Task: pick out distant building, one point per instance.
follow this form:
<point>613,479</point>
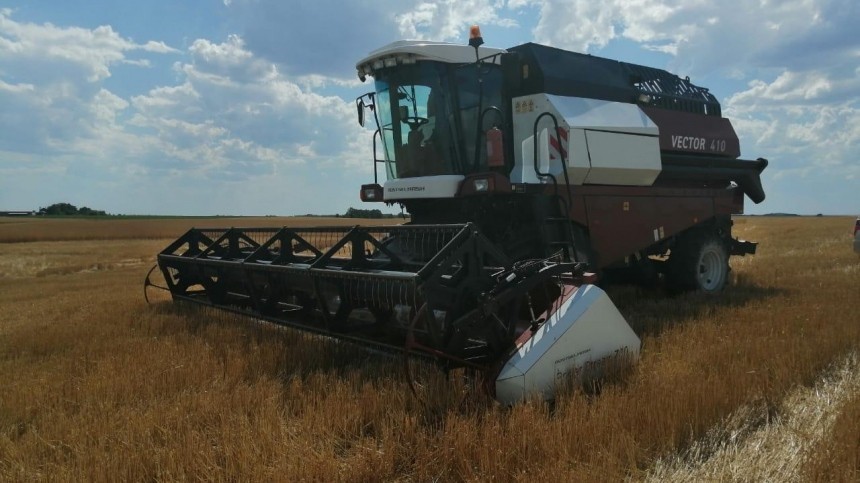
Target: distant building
<point>17,213</point>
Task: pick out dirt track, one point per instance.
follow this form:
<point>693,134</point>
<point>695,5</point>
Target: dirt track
<point>762,444</point>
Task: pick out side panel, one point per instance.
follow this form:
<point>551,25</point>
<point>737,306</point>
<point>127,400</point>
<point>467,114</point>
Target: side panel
<point>444,186</point>
<point>578,161</point>
<point>622,159</point>
<point>586,329</point>
<point>609,143</point>
<point>624,220</point>
<point>695,133</point>
<point>603,115</point>
<point>622,225</point>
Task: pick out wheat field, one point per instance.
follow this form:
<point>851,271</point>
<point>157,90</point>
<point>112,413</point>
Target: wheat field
<point>762,382</point>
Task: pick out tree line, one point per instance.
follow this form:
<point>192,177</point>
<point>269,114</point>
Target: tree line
<point>358,213</point>
<point>69,209</point>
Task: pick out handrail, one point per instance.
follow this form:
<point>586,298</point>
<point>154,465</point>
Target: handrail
<point>562,154</point>
<point>565,201</point>
<point>375,159</point>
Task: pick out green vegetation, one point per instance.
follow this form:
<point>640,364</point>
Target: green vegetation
<point>371,214</point>
<point>68,209</point>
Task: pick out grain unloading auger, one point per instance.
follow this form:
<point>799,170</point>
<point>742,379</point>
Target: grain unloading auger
<point>442,292</point>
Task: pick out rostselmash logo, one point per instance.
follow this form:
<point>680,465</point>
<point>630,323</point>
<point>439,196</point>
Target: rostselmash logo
<point>401,189</point>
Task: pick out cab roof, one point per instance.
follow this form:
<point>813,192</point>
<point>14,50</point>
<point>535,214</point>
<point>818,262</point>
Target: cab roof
<point>408,51</point>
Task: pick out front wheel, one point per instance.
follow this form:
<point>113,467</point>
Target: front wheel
<point>699,262</point>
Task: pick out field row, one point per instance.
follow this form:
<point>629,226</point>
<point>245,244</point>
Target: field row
<point>38,229</point>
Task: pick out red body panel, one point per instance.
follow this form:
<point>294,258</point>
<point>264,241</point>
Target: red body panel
<point>624,220</point>
<point>685,132</point>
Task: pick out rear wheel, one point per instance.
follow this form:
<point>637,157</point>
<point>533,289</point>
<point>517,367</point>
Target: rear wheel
<point>699,262</point>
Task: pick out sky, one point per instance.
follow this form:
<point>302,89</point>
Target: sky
<point>247,107</point>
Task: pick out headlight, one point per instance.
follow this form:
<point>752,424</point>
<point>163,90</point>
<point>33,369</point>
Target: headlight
<point>371,192</point>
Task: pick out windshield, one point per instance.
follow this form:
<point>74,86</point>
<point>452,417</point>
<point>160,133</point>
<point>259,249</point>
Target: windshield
<point>427,114</point>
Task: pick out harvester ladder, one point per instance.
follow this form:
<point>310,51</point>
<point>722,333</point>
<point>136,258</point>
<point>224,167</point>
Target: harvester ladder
<point>555,224</point>
<point>559,237</point>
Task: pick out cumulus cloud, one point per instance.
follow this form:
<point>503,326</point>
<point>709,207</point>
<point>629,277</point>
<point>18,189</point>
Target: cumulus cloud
<point>232,115</point>
<point>237,109</point>
<point>709,36</point>
<point>38,50</point>
<point>16,88</point>
<point>450,19</point>
<point>327,37</point>
<point>322,37</point>
<point>808,121</point>
<point>794,88</point>
<point>52,77</point>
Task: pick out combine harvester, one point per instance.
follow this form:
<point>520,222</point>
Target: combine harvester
<point>525,171</point>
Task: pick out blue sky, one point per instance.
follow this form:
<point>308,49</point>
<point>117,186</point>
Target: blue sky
<point>246,106</point>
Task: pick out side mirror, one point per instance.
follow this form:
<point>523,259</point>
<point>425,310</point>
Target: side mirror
<point>360,106</point>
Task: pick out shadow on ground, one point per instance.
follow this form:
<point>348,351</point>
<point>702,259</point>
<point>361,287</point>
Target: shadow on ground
<point>650,311</point>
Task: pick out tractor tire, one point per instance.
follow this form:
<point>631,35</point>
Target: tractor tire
<point>699,262</point>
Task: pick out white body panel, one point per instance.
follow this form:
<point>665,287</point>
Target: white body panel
<point>578,163</point>
<point>595,114</point>
<point>606,142</point>
<point>443,186</point>
<point>415,50</point>
<point>612,155</point>
<point>586,329</point>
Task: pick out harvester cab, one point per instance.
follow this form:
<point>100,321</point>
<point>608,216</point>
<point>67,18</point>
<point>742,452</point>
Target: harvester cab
<point>524,171</point>
<point>550,152</point>
<point>427,102</point>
